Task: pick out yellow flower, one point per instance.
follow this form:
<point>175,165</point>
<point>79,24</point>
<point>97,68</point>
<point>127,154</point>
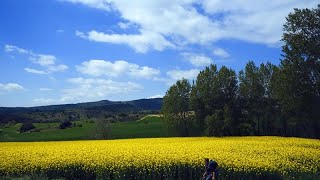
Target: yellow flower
<point>240,154</point>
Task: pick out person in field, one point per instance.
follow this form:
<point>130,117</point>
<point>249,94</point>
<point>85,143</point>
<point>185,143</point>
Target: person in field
<point>211,172</point>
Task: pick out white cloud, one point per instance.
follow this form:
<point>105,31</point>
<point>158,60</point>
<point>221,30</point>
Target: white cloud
<point>197,59</point>
<point>44,101</point>
<point>34,71</point>
<point>123,25</point>
<point>139,42</point>
<point>57,68</point>
<point>143,72</point>
<point>89,89</point>
<point>45,89</point>
<point>99,4</point>
<point>174,75</point>
<point>155,96</point>
<point>11,48</point>
<point>254,21</point>
<point>171,23</point>
<point>80,34</point>
<point>9,87</point>
<point>221,53</point>
<point>101,67</point>
<point>59,30</point>
<point>187,74</point>
<point>46,61</point>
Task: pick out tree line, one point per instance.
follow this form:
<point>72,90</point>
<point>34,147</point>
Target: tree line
<point>263,99</point>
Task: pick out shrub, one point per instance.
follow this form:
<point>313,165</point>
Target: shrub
<point>103,130</point>
<point>35,130</point>
<point>26,127</point>
<point>65,124</point>
<point>11,123</point>
<point>123,115</point>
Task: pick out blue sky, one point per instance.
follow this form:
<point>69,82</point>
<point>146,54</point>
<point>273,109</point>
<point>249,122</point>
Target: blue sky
<point>70,51</point>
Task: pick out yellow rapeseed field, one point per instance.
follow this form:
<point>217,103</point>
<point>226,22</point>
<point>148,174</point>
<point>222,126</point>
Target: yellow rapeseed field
<point>278,155</point>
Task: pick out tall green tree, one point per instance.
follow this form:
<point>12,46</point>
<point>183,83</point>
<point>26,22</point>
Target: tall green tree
<point>175,108</point>
<point>203,100</point>
<point>299,77</point>
<point>251,92</point>
<point>227,99</point>
<point>270,122</point>
<point>214,91</point>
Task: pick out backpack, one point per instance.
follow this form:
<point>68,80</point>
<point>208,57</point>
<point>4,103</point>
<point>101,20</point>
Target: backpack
<point>212,167</point>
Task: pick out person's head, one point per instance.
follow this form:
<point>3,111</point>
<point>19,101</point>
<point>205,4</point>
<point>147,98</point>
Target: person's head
<point>212,166</point>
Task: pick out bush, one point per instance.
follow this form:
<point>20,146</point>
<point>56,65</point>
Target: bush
<point>123,115</point>
<point>35,130</point>
<point>11,123</point>
<point>91,121</point>
<point>103,130</point>
<point>65,124</point>
<point>26,127</point>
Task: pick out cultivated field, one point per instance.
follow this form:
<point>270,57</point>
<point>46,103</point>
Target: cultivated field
<point>149,126</point>
<point>164,158</point>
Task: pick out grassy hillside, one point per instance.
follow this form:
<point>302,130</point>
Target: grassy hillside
<point>150,126</point>
<point>59,113</point>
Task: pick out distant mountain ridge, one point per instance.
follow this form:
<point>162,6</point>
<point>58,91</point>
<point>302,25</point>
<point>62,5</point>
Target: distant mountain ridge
<point>21,114</point>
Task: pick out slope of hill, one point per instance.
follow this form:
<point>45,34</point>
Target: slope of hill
<point>56,113</point>
<point>148,126</point>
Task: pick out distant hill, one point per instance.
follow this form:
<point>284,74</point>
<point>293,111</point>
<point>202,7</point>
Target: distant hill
<point>55,113</point>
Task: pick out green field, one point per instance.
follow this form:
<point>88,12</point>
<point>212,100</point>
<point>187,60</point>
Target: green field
<point>150,126</point>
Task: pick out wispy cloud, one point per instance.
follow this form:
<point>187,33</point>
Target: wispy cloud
<point>197,59</point>
<point>139,42</point>
<point>45,89</point>
<point>34,71</point>
<point>98,4</point>
<point>10,87</point>
<point>219,52</point>
<point>11,48</point>
<point>174,75</point>
<point>115,69</point>
<point>187,74</point>
<point>46,61</point>
<point>90,89</point>
<point>172,24</point>
<point>155,96</point>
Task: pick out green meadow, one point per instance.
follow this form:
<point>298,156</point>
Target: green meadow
<point>150,126</point>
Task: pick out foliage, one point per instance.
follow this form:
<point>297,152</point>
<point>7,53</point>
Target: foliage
<point>261,100</point>
<point>298,86</point>
<point>167,158</point>
<point>65,124</point>
<point>175,109</point>
<point>104,129</point>
<point>26,127</point>
<point>86,130</point>
<point>80,111</point>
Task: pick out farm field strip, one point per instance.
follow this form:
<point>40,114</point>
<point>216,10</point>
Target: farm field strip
<point>273,155</point>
